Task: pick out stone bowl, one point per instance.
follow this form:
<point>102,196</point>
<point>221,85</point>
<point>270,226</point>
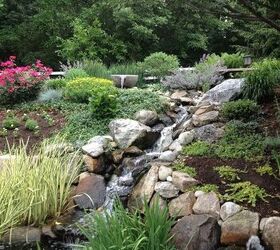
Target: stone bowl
<point>125,81</point>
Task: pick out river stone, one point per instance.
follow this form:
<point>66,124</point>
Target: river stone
<point>271,232</point>
<point>94,165</point>
<point>182,205</point>
<point>166,189</point>
<point>22,235</point>
<point>186,138</point>
<point>176,146</point>
<point>168,156</point>
<point>198,193</point>
<point>144,190</point>
<point>205,118</point>
<point>196,232</point>
<point>165,140</point>
<point>238,228</point>
<point>164,172</point>
<point>224,92</point>
<point>209,133</point>
<point>157,199</point>
<point>90,192</point>
<point>183,181</point>
<point>97,145</point>
<point>127,132</point>
<point>178,94</point>
<point>228,209</point>
<point>147,117</point>
<point>203,109</point>
<point>207,203</point>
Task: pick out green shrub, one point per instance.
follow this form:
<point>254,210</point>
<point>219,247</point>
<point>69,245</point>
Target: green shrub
<point>159,64</point>
<point>245,192</point>
<point>130,231</point>
<point>58,83</point>
<point>103,102</point>
<point>260,83</point>
<point>233,60</point>
<point>125,69</point>
<point>35,189</point>
<point>81,89</point>
<point>74,73</point>
<point>199,148</point>
<point>11,121</point>
<point>185,169</point>
<point>240,110</point>
<point>31,125</point>
<point>96,69</point>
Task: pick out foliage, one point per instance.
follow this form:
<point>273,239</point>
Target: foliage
<point>34,189</point>
<point>95,69</point>
<point>277,159</point>
<point>207,188</point>
<point>199,148</point>
<point>10,121</point>
<point>31,125</point>
<point>272,143</point>
<point>81,89</point>
<point>18,84</point>
<point>265,169</point>
<point>125,69</point>
<point>185,169</point>
<point>50,95</point>
<point>74,73</point>
<point>245,192</point>
<point>260,82</point>
<point>228,173</point>
<point>233,60</point>
<point>124,230</point>
<point>240,110</point>
<point>103,101</point>
<point>159,64</point>
<point>58,83</point>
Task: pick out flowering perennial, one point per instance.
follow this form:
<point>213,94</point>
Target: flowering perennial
<point>20,83</point>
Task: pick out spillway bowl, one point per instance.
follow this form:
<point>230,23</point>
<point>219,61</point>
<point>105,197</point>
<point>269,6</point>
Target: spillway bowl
<point>125,81</point>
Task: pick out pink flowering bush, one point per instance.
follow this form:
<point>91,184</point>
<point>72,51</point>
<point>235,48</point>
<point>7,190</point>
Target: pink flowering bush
<point>18,84</point>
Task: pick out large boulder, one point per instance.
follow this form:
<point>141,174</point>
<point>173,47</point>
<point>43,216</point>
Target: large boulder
<point>238,228</point>
<point>147,117</point>
<point>207,203</point>
<point>144,189</point>
<point>224,92</point>
<point>90,192</point>
<point>196,232</point>
<point>127,132</point>
<point>182,205</point>
<point>271,232</point>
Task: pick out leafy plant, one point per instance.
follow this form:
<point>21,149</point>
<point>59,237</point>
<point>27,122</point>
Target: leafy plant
<point>50,95</point>
<point>240,110</point>
<point>245,192</point>
<point>185,169</point>
<point>95,69</point>
<point>31,125</point>
<point>58,83</point>
<point>124,230</point>
<point>265,169</point>
<point>126,69</point>
<point>260,82</point>
<point>199,148</point>
<point>74,73</point>
<point>3,132</point>
<point>228,173</point>
<point>11,121</point>
<point>34,189</point>
<point>233,60</point>
<point>207,188</point>
<point>272,143</point>
<point>81,89</point>
<point>159,64</point>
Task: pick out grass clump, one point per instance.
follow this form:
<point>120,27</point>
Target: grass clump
<point>31,125</point>
<point>245,192</point>
<point>35,187</point>
<point>185,169</point>
<point>199,148</point>
<point>129,231</point>
<point>75,73</point>
<point>228,173</point>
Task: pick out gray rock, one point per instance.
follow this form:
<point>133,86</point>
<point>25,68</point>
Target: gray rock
<point>238,228</point>
<point>168,156</point>
<point>127,132</point>
<point>178,94</point>
<point>94,165</point>
<point>203,109</point>
<point>147,117</point>
<point>271,232</point>
<point>158,200</point>
<point>90,192</point>
<point>182,205</point>
<point>229,209</point>
<point>224,92</point>
<point>22,235</point>
<point>164,172</point>
<point>165,140</point>
<point>166,189</point>
<point>198,193</point>
<point>196,232</point>
<point>186,138</point>
<point>205,118</point>
<point>207,203</point>
<point>183,181</point>
<point>176,146</point>
<point>97,145</point>
<point>209,133</point>
<point>144,190</point>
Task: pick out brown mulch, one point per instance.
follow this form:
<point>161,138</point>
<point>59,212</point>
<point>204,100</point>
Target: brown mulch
<point>207,175</point>
<point>46,130</point>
